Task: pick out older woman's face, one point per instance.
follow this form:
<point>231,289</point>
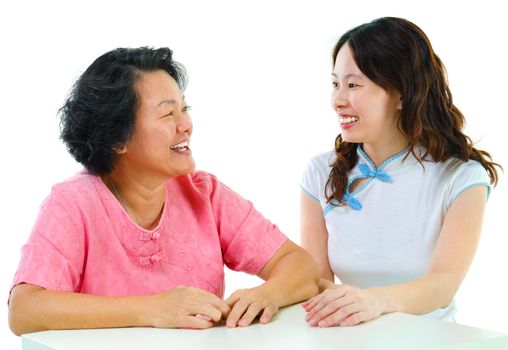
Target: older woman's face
<point>160,143</point>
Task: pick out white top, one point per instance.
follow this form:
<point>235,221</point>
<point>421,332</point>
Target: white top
<point>288,330</point>
<point>387,231</point>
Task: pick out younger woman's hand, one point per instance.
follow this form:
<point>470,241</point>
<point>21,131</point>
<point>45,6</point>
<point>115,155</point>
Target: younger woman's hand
<point>343,305</point>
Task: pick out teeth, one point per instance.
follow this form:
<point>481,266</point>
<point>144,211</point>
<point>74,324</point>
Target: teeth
<point>180,145</point>
<point>346,120</point>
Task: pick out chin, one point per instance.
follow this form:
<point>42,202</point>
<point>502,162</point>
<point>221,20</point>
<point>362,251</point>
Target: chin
<point>348,138</point>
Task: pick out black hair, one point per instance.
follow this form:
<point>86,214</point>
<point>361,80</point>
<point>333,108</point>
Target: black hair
<point>99,114</point>
<point>397,55</point>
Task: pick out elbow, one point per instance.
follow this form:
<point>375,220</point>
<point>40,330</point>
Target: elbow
<point>15,324</point>
<point>314,277</point>
<point>446,299</point>
<point>446,286</point>
<point>21,313</point>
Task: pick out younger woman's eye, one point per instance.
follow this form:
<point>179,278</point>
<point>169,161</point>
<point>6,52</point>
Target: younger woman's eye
<point>335,84</point>
<point>352,85</point>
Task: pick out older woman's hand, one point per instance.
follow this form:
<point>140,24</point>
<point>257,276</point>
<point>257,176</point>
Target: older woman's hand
<point>246,304</point>
<point>343,305</point>
<point>185,307</point>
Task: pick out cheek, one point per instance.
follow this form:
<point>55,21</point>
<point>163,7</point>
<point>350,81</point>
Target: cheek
<point>333,98</point>
<point>361,104</point>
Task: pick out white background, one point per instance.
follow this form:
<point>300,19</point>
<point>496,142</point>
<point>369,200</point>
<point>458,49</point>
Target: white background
<point>259,85</point>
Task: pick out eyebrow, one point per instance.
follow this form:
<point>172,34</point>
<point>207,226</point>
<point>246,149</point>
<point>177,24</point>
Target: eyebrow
<point>169,101</point>
<point>163,102</point>
<point>347,76</point>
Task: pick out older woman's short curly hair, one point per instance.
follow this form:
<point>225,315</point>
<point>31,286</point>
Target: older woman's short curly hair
<point>99,115</point>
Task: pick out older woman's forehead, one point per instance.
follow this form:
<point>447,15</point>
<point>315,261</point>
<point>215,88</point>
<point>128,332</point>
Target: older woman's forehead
<point>158,88</point>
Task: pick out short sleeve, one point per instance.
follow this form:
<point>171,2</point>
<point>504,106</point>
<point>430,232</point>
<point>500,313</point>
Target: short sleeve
<point>53,256</point>
<point>248,240</point>
<point>315,176</point>
<point>464,176</point>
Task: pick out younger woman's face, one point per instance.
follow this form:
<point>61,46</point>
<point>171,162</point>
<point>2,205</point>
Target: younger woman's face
<point>367,113</point>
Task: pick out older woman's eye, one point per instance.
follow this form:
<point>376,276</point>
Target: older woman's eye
<point>187,108</point>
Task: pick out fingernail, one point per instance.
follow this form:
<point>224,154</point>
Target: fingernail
<point>322,324</point>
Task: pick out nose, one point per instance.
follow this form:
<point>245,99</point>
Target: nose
<point>184,124</point>
<point>339,98</point>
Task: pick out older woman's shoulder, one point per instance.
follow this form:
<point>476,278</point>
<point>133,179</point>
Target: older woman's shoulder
<point>82,185</point>
<point>197,181</point>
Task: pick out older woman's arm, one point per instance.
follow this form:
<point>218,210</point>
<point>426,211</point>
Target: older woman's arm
<point>291,276</point>
<point>33,309</point>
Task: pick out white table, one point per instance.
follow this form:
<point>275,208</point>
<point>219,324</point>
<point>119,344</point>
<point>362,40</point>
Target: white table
<point>288,330</point>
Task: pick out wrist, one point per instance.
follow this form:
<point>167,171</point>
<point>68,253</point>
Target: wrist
<point>138,308</point>
<point>325,284</point>
<point>273,292</point>
<point>386,303</point>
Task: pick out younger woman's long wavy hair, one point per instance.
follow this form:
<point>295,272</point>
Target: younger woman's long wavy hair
<point>397,55</point>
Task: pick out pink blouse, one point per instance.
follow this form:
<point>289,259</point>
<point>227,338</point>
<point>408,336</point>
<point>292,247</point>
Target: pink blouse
<point>84,241</point>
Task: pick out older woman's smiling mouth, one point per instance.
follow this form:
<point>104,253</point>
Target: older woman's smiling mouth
<point>182,148</point>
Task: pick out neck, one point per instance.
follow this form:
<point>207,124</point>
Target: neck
<point>380,152</point>
<point>143,198</point>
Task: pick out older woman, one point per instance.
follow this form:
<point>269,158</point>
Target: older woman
<point>140,238</point>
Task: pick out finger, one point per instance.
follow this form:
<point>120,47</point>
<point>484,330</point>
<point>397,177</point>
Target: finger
<point>206,297</point>
<point>335,305</point>
<point>337,317</point>
<point>327,297</point>
<point>195,322</point>
<point>267,315</point>
<point>224,309</point>
<point>324,298</point>
<point>233,298</point>
<point>307,305</point>
<point>203,317</point>
<point>252,311</point>
<point>221,306</point>
<point>355,319</point>
<point>208,311</point>
<point>237,311</point>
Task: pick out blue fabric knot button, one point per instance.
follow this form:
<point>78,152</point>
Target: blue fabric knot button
<point>352,202</point>
<point>378,174</point>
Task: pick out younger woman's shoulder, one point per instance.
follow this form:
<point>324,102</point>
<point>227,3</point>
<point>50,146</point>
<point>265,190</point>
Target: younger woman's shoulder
<point>455,167</point>
<point>322,161</point>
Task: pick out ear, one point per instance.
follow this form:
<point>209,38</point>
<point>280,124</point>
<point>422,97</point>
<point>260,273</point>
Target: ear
<point>120,149</point>
<point>399,104</point>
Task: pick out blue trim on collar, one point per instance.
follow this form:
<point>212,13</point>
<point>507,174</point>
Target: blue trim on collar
<point>385,163</point>
<point>328,207</point>
<point>377,173</point>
